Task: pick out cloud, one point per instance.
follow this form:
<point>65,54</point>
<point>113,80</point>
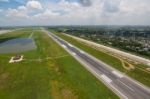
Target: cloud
<point>79,12</point>
<point>34,5</point>
<point>85,3</point>
<point>111,6</point>
<point>20,12</point>
<point>46,14</point>
<point>24,11</point>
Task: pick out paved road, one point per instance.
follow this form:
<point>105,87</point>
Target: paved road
<point>123,86</point>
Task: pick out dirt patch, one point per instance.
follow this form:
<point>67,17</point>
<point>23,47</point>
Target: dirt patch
<point>148,69</point>
<point>128,66</point>
<point>67,94</point>
<point>59,91</point>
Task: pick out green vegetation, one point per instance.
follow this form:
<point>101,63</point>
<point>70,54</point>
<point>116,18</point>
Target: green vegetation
<point>48,72</point>
<point>139,73</point>
<point>132,39</point>
<point>15,34</point>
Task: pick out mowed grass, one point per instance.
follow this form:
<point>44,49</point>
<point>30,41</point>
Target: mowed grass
<point>15,34</point>
<point>139,73</point>
<point>59,77</point>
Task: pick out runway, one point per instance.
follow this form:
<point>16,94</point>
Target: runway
<point>129,56</point>
<point>122,85</point>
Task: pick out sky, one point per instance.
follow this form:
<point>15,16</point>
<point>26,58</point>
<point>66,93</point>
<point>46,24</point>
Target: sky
<point>74,12</point>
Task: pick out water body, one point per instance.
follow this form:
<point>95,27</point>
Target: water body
<point>17,45</point>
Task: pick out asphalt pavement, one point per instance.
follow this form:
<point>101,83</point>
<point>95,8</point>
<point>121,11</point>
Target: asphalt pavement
<point>122,85</point>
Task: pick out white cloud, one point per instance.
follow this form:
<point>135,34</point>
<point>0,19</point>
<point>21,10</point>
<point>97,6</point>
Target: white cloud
<point>85,3</point>
<point>96,12</point>
<point>111,6</point>
<point>20,12</point>
<point>22,8</point>
<point>46,14</point>
<point>33,5</point>
<point>23,11</point>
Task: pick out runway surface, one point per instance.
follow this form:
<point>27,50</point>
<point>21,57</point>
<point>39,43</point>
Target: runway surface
<point>123,86</point>
<point>129,56</point>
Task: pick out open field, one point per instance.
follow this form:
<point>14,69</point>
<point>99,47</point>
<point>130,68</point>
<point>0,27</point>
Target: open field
<point>48,72</point>
<point>4,31</point>
<point>139,72</point>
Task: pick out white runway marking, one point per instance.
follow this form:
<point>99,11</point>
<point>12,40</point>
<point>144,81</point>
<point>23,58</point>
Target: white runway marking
<point>70,45</point>
<point>82,52</point>
<point>64,46</point>
<point>73,53</point>
<point>117,74</point>
<point>126,85</point>
<point>125,97</point>
<point>105,78</point>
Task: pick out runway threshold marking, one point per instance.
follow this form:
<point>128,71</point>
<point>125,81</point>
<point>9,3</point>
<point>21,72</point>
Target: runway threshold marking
<point>117,74</point>
<point>105,78</point>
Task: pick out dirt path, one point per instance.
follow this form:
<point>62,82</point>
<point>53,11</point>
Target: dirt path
<point>47,58</point>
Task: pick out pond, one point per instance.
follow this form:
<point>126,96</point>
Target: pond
<point>17,45</point>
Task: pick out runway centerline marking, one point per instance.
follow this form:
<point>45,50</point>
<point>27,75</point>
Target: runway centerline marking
<point>125,97</point>
<point>126,86</point>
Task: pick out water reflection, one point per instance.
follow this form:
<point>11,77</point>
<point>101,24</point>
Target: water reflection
<point>17,45</point>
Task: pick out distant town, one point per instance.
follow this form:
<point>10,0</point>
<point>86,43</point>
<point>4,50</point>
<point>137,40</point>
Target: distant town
<point>135,39</point>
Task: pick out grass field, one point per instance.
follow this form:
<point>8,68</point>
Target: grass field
<point>139,73</point>
<point>48,72</point>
